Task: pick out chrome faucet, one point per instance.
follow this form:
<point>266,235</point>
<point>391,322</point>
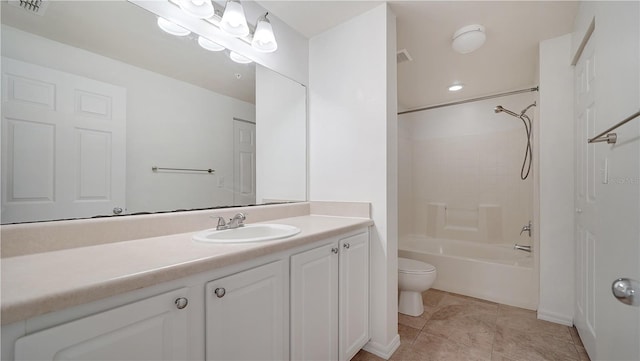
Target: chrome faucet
<point>526,228</point>
<point>522,248</point>
<point>235,222</point>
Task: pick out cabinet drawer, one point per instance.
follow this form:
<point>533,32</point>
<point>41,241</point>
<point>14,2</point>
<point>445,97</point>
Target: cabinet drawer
<point>150,329</point>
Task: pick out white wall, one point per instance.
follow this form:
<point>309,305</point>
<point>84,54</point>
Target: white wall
<point>556,162</point>
<point>353,144</point>
<point>281,138</point>
<point>170,123</point>
<point>468,159</point>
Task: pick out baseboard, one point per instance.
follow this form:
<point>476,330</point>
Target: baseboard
<point>384,351</point>
<point>555,317</point>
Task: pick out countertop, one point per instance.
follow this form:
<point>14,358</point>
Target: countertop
<point>40,283</point>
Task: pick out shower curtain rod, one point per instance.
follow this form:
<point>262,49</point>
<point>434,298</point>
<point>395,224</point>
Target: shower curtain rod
<point>470,100</point>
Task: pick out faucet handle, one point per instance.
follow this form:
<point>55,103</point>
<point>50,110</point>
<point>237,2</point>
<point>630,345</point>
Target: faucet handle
<point>221,222</point>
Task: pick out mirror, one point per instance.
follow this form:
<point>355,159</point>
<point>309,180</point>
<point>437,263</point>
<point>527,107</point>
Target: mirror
<point>103,113</point>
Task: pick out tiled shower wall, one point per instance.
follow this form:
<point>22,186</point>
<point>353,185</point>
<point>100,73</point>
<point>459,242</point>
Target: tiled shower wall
<point>459,170</point>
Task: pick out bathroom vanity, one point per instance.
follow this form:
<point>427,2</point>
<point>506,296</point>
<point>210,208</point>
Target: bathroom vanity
<point>170,297</point>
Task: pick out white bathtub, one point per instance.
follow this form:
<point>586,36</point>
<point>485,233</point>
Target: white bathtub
<point>496,273</point>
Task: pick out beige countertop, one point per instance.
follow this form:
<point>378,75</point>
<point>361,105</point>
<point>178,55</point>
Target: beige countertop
<point>39,283</point>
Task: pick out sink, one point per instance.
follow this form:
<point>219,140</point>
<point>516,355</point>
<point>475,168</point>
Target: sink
<point>248,233</point>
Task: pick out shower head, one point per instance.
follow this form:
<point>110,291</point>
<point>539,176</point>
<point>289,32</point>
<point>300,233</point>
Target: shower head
<point>499,109</point>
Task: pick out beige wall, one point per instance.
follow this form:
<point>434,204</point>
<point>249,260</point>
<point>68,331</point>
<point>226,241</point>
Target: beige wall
<point>462,164</point>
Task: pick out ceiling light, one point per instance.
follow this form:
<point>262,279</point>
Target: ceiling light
<point>172,28</point>
<point>233,20</point>
<point>241,59</point>
<point>468,38</point>
<point>201,9</point>
<point>209,45</point>
<point>456,87</point>
<point>263,38</point>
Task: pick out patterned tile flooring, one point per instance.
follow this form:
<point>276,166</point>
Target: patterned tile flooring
<point>455,327</point>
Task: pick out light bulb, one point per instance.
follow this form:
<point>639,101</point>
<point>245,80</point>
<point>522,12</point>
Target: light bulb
<point>201,9</point>
<point>209,45</point>
<point>233,20</point>
<point>172,28</point>
<point>263,38</point>
<point>241,59</point>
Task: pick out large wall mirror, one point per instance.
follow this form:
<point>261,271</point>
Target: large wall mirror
<point>104,113</point>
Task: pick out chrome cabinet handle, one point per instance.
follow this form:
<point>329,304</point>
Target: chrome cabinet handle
<point>346,245</point>
<point>181,303</point>
<point>220,292</point>
<point>334,250</point>
<point>117,210</point>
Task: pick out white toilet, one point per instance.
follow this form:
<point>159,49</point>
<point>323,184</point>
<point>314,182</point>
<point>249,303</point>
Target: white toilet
<point>414,277</point>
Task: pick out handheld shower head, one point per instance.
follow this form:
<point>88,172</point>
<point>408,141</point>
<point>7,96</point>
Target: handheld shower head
<point>499,109</point>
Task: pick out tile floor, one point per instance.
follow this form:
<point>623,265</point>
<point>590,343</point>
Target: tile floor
<point>455,327</point>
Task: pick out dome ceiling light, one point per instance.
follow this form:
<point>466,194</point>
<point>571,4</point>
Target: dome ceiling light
<point>468,38</point>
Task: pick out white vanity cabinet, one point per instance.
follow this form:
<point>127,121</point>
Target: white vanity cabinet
<point>330,299</point>
<point>247,314</point>
<point>154,328</point>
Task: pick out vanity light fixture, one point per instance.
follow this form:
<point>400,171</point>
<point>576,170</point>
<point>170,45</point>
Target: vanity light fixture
<point>209,45</point>
<point>201,9</point>
<point>240,59</point>
<point>456,87</point>
<point>172,28</point>
<point>468,38</point>
<point>233,20</point>
<point>263,38</point>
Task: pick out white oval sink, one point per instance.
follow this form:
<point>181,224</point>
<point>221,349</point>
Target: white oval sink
<point>248,233</point>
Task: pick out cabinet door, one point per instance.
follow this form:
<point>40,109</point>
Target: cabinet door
<point>246,315</point>
<point>314,304</point>
<point>354,294</point>
<point>151,329</point>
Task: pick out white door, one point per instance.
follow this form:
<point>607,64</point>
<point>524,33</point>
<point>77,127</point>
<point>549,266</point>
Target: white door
<point>314,304</point>
<point>244,162</point>
<point>354,294</point>
<point>607,195</point>
<point>63,144</point>
<point>246,315</point>
<point>151,329</point>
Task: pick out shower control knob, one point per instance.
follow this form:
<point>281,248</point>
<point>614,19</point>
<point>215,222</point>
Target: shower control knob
<point>220,292</point>
<point>181,303</point>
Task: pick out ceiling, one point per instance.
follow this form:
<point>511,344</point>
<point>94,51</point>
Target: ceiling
<point>507,61</point>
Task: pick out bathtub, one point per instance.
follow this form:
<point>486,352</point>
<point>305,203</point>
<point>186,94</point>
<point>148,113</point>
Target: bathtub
<point>495,273</point>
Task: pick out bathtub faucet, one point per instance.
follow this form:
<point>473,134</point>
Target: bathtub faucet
<point>526,228</point>
<point>522,248</point>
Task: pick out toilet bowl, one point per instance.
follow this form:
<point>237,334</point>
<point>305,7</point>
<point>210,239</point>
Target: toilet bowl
<point>414,277</point>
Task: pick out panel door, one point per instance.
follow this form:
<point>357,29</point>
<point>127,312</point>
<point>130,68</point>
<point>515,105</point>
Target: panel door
<point>585,197</point>
<point>607,191</point>
<point>244,162</point>
<point>314,304</point>
<point>151,329</point>
<point>354,294</point>
<point>246,315</point>
<point>63,144</point>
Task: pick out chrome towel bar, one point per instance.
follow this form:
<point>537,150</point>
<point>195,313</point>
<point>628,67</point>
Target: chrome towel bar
<point>612,138</point>
<point>155,169</point>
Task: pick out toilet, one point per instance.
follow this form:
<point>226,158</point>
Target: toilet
<point>414,277</point>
